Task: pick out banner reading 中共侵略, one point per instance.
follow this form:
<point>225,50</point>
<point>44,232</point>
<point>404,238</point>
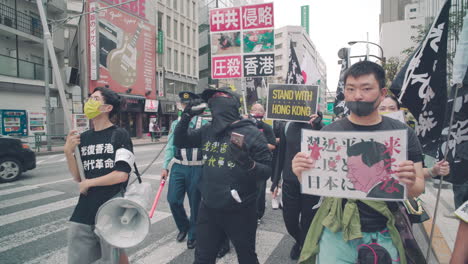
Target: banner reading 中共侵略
<point>356,165</point>
<point>295,102</point>
<point>242,41</point>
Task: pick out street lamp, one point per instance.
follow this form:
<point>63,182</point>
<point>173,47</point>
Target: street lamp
<point>368,42</point>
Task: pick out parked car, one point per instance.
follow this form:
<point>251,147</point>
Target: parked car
<point>15,158</point>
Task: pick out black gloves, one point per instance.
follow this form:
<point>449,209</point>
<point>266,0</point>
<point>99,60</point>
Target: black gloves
<point>318,120</point>
<point>189,108</point>
<point>241,156</point>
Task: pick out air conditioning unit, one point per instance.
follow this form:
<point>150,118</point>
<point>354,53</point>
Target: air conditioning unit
<point>72,75</point>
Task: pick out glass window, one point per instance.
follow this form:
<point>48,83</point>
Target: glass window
<point>175,29</point>
<point>279,35</point>
<point>182,62</point>
<point>168,56</point>
<point>188,8</point>
<point>194,36</point>
<point>181,32</point>
<point>176,60</point>
<point>189,71</point>
<point>160,19</point>
<point>160,60</point>
<point>181,6</point>
<point>175,4</point>
<point>279,46</point>
<point>193,10</point>
<point>168,26</point>
<point>195,67</point>
<point>188,35</point>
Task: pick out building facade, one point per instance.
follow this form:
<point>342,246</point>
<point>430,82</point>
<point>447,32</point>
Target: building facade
<point>22,86</point>
<point>312,64</point>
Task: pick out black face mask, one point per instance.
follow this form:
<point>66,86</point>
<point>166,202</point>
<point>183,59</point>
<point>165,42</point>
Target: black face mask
<point>224,111</point>
<point>361,108</point>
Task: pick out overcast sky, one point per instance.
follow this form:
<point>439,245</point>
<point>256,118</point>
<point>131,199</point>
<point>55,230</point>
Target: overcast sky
<point>332,24</point>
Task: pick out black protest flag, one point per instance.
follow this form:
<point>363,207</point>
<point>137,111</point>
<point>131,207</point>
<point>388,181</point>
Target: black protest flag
<point>339,107</point>
<point>421,84</point>
<point>251,84</point>
<point>294,75</point>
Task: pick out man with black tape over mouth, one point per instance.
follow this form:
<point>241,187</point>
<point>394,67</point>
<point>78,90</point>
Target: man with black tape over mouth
<point>230,173</point>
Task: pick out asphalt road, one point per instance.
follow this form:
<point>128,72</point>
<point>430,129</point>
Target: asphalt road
<point>34,213</point>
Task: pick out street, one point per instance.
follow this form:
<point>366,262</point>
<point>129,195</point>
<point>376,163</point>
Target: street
<point>34,214</point>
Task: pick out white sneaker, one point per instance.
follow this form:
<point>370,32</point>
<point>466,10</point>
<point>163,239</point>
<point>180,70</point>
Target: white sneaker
<point>275,204</point>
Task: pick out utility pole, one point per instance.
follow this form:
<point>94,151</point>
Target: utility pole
<point>46,86</point>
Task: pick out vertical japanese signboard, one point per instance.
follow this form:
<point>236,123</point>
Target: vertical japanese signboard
<point>242,41</point>
<point>126,57</point>
<point>305,18</point>
<point>93,42</point>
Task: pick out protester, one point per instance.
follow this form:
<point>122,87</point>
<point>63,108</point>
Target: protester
<point>257,112</point>
<point>106,174</point>
<point>298,210</point>
<point>185,166</point>
<point>236,157</point>
<point>341,225</point>
<point>442,168</point>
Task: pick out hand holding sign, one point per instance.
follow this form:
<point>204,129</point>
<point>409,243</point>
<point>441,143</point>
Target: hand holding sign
<point>301,162</point>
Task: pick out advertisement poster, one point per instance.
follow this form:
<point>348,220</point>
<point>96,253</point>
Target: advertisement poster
<point>355,165</point>
<point>37,123</point>
<point>126,52</point>
<point>14,122</point>
<point>294,102</point>
<point>242,41</point>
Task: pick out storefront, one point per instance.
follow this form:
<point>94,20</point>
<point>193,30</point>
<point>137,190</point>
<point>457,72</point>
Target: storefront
<point>168,113</point>
<point>131,114</point>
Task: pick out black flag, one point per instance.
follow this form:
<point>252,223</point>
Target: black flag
<point>294,75</point>
<point>421,84</point>
<point>339,107</point>
<point>251,84</point>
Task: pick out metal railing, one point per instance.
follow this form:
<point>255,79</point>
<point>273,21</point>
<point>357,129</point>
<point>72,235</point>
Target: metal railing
<point>20,21</point>
<point>14,67</point>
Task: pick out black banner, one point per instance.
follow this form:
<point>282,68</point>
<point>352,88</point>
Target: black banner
<point>421,85</point>
<point>259,65</point>
<point>339,107</point>
<point>292,102</point>
<point>294,75</point>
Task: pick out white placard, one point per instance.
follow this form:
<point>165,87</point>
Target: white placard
<point>356,165</point>
<point>398,115</point>
<point>462,212</point>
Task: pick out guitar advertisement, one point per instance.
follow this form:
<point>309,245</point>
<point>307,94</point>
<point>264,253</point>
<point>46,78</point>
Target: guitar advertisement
<point>126,52</point>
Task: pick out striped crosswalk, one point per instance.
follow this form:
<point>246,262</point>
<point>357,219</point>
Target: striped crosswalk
<point>34,216</point>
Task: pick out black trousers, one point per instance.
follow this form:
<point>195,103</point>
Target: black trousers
<point>261,186</point>
<point>239,225</point>
<point>297,210</point>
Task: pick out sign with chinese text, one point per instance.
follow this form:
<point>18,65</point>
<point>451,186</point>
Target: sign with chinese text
<point>93,42</point>
<point>355,165</point>
<point>293,102</point>
<point>305,18</point>
<point>37,122</point>
<point>236,31</point>
<point>127,57</point>
<point>151,105</point>
<point>160,42</point>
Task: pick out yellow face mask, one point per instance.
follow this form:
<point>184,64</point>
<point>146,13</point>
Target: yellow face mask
<point>91,108</point>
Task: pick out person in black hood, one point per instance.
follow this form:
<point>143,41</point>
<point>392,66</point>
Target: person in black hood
<point>230,173</point>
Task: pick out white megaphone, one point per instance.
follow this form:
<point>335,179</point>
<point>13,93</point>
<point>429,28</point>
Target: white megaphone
<point>124,222</point>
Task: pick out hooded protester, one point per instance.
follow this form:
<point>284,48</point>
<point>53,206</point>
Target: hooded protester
<point>230,173</point>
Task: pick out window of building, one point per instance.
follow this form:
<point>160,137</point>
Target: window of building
<point>182,32</point>
<point>279,46</point>
<point>160,60</point>
<point>188,8</point>
<point>182,62</point>
<point>168,26</point>
<point>160,20</point>
<point>175,4</point>
<point>279,35</point>
<point>278,57</point>
<point>189,69</point>
<point>181,6</point>
<point>168,3</point>
<point>188,35</point>
<point>175,29</point>
<point>193,10</point>
<point>195,67</point>
<point>279,68</point>
<point>412,10</point>
<point>294,44</point>
<point>168,56</point>
<point>194,36</point>
<point>176,61</point>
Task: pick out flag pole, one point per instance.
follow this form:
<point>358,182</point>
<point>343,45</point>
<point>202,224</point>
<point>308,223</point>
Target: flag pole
<point>428,254</point>
<point>243,95</point>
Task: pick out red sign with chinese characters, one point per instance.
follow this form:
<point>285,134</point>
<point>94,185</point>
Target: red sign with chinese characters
<point>126,53</point>
<point>225,19</point>
<point>258,16</point>
<point>226,67</point>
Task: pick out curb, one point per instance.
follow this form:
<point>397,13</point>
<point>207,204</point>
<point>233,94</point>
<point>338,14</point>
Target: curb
<point>45,153</point>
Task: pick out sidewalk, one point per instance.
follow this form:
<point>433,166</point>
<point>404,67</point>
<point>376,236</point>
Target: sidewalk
<point>136,142</point>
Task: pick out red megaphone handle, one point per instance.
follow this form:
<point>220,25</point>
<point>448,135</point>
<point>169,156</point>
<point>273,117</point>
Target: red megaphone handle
<point>156,199</point>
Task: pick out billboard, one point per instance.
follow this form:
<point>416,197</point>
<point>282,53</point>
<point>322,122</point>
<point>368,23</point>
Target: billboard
<point>126,57</point>
<point>236,31</point>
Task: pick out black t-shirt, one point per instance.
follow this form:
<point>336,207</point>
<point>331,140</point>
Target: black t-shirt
<point>267,132</point>
<point>97,151</point>
<point>372,221</point>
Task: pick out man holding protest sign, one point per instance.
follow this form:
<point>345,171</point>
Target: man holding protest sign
<point>344,230</point>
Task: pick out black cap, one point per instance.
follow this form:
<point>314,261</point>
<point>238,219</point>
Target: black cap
<point>186,97</point>
<point>208,93</point>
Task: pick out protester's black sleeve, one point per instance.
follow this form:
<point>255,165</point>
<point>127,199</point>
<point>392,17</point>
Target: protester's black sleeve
<point>185,137</point>
<point>262,157</point>
<point>269,134</point>
<point>279,162</point>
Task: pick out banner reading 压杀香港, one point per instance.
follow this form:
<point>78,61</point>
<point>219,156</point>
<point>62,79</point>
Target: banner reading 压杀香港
<point>242,41</point>
<point>354,164</point>
<point>294,102</point>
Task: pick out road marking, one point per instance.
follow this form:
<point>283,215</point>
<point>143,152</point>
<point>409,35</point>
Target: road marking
<point>8,184</point>
<point>40,210</point>
<point>28,198</point>
<point>32,234</point>
<point>162,251</point>
<point>52,182</point>
<point>151,176</point>
<point>18,189</point>
<point>265,244</point>
<point>60,256</point>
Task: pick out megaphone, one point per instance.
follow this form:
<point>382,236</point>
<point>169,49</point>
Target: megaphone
<point>124,222</point>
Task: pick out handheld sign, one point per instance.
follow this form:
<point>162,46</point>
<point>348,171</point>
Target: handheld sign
<point>356,165</point>
<point>293,102</point>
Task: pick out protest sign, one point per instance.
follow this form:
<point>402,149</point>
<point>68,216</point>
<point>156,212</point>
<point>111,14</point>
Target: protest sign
<point>356,165</point>
<point>462,212</point>
<point>295,102</point>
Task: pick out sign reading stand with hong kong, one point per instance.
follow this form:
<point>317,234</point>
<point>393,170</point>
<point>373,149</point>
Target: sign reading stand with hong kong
<point>242,41</point>
<point>355,165</point>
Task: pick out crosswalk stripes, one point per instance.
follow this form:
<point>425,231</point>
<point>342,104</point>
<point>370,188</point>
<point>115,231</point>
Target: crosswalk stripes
<point>28,198</point>
<point>17,189</point>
